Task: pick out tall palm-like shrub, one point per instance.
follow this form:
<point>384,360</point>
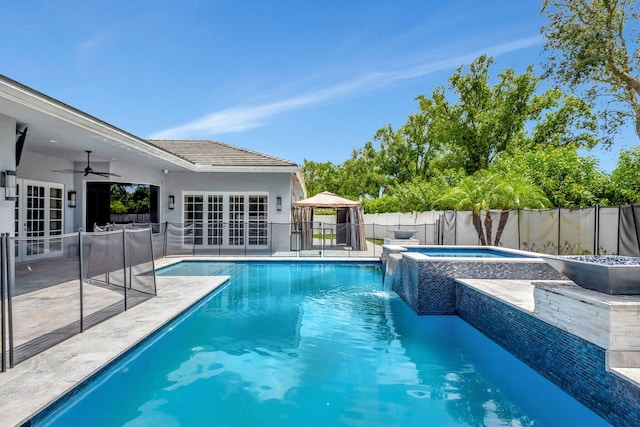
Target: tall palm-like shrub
<point>483,192</point>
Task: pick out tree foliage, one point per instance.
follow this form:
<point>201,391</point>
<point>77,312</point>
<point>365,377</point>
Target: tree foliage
<point>567,179</point>
<point>479,128</point>
<point>626,177</point>
<point>129,198</point>
<point>593,46</point>
<point>477,122</point>
<point>320,176</point>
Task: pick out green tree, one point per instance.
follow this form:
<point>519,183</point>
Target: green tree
<point>319,177</point>
<point>477,122</point>
<point>592,46</point>
<point>406,154</point>
<point>626,177</point>
<point>567,179</point>
<point>485,191</point>
<point>360,175</point>
<point>140,200</point>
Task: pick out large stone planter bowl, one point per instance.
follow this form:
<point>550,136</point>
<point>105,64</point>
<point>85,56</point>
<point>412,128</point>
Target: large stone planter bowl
<point>403,234</point>
<point>621,279</point>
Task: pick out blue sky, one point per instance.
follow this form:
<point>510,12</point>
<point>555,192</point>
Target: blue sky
<point>295,79</point>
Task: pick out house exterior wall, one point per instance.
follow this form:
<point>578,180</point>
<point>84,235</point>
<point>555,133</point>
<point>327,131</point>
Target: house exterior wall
<point>40,167</point>
<point>274,184</point>
<point>7,162</point>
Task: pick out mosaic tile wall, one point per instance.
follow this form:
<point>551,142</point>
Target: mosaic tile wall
<point>575,365</point>
<point>430,287</point>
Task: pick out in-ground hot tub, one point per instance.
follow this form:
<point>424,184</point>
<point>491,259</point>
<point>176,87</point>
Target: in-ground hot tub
<point>615,275</point>
<point>425,276</point>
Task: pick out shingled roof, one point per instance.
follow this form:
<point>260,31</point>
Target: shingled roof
<point>215,153</point>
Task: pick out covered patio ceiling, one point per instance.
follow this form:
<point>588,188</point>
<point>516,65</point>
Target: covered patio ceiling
<point>58,130</point>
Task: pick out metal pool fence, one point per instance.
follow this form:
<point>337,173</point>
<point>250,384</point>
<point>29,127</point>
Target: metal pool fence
<point>313,239</point>
<point>55,287</point>
<point>596,230</point>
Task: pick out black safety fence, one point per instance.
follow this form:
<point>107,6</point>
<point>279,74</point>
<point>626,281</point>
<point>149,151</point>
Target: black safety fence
<point>247,239</point>
<point>58,286</point>
<point>595,230</point>
<point>55,287</point>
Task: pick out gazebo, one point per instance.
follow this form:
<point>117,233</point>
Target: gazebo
<point>350,229</point>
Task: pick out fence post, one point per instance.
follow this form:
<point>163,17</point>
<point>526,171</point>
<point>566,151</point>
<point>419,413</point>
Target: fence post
<point>559,213</point>
<point>164,243</point>
<point>635,224</point>
<point>193,240</point>
<point>81,273</point>
<point>9,283</point>
<point>153,262</point>
<point>3,287</point>
<point>124,266</point>
<point>519,238</point>
<point>374,239</point>
<point>618,242</point>
<point>596,230</point>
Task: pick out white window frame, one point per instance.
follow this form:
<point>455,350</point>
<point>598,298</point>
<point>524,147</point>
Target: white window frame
<point>209,236</point>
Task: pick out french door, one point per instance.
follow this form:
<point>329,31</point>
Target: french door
<point>229,220</point>
<point>39,215</point>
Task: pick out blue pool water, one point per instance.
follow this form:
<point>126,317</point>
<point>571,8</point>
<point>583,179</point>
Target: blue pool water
<point>463,252</point>
<point>316,344</point>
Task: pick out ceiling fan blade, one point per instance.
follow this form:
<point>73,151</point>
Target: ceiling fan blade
<point>68,171</point>
<point>104,174</point>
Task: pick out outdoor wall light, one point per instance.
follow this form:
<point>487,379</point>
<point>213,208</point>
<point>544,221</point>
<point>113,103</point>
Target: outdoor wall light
<point>172,202</point>
<point>279,203</point>
<point>8,181</point>
<point>71,198</point>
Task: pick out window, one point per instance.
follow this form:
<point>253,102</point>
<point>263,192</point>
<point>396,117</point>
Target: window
<point>228,220</point>
<point>215,220</point>
<point>258,220</point>
<point>236,220</point>
<point>193,215</point>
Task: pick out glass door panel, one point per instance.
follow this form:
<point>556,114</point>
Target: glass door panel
<point>56,209</point>
<point>236,220</point>
<point>193,217</point>
<point>215,220</point>
<point>258,220</point>
<point>35,219</point>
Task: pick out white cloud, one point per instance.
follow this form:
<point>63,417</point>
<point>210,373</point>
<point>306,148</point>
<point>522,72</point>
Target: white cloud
<point>241,118</point>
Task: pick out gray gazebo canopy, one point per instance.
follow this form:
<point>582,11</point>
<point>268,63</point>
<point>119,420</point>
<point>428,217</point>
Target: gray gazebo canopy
<point>349,219</point>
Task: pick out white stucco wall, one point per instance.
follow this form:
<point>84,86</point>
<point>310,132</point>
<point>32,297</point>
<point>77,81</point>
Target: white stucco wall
<point>7,162</point>
<point>40,167</point>
<point>274,184</point>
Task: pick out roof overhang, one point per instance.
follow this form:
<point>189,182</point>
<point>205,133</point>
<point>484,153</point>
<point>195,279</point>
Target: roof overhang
<point>59,130</point>
<point>245,169</point>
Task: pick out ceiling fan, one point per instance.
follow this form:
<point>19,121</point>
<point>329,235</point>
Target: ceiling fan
<point>88,170</point>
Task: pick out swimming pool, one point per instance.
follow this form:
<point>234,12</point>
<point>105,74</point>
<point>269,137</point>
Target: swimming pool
<point>323,344</point>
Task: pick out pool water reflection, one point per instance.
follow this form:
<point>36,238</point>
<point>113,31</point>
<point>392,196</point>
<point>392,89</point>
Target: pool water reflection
<point>318,345</point>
